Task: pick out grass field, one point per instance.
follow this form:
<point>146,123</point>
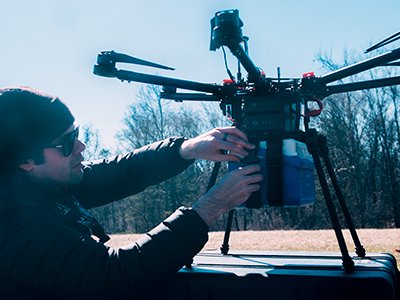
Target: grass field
<point>373,240</point>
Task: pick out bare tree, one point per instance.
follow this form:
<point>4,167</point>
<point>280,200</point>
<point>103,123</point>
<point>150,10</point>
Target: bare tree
<point>363,131</point>
<point>94,149</point>
<point>149,119</point>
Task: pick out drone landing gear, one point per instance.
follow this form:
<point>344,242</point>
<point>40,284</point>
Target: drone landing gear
<point>317,146</point>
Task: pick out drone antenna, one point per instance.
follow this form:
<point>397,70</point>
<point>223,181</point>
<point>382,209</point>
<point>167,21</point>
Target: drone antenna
<point>227,67</point>
<point>386,41</point>
<point>246,49</point>
<point>246,44</point>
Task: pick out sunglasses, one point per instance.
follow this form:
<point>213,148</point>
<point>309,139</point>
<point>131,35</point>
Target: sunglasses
<point>68,142</point>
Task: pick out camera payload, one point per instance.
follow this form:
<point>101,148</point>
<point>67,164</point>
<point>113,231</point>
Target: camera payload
<point>297,181</point>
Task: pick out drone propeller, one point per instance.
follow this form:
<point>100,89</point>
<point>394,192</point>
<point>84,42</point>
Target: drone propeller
<point>386,41</point>
<point>111,57</point>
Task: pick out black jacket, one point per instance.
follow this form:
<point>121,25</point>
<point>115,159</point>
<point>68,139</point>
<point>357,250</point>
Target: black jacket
<point>44,256</point>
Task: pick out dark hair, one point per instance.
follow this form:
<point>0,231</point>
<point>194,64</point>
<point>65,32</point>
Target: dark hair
<point>29,120</point>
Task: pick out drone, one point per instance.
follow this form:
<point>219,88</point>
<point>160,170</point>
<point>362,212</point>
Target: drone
<point>272,110</point>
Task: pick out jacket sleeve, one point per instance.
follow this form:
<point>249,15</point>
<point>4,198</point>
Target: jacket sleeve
<point>40,253</point>
<point>109,180</point>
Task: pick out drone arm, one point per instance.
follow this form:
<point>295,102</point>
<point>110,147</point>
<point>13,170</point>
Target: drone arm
<point>179,97</point>
<point>123,75</point>
<point>359,67</point>
<point>355,86</point>
<point>166,81</point>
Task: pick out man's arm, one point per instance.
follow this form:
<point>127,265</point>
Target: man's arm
<point>43,255</point>
<point>232,190</point>
<point>109,180</point>
<point>219,144</point>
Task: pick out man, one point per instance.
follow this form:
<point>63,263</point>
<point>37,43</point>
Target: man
<point>47,250</point>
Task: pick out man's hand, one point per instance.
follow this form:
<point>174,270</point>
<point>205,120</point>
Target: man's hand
<point>232,190</point>
<point>219,144</point>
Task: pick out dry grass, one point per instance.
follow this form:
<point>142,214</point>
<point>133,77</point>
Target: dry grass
<point>374,240</point>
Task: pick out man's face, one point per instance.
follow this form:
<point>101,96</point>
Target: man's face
<point>58,169</point>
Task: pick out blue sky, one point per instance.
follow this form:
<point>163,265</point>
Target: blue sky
<point>53,45</point>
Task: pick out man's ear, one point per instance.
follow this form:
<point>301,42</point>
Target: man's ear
<point>27,166</point>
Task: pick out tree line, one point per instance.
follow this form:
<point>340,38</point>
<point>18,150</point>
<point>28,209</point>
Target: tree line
<point>362,129</point>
